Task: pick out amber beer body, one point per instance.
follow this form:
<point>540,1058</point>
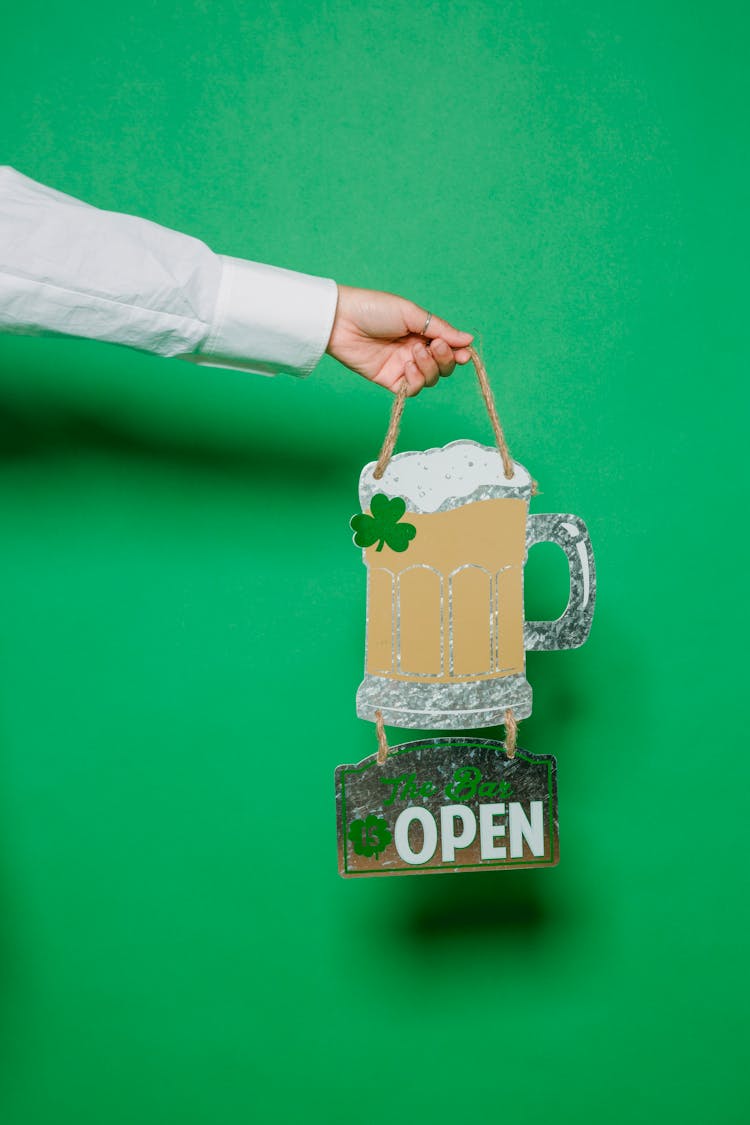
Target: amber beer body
<point>450,608</point>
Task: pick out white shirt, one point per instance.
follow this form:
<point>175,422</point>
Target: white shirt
<point>67,268</point>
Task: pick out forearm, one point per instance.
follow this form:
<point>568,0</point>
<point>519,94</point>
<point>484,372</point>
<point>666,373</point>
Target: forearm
<point>67,268</point>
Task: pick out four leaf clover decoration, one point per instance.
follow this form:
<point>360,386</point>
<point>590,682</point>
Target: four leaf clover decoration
<point>370,836</point>
<point>383,524</point>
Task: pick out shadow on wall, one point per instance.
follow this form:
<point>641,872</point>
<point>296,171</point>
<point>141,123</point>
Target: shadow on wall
<point>63,430</point>
<point>452,906</point>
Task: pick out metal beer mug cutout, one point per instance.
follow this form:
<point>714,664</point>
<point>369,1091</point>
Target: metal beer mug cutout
<point>446,636</point>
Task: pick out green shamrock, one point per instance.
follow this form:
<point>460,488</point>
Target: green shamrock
<point>383,524</point>
<point>370,836</point>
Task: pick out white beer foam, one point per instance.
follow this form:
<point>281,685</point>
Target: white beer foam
<point>438,479</point>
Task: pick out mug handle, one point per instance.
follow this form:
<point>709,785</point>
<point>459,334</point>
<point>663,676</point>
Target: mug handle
<point>572,629</point>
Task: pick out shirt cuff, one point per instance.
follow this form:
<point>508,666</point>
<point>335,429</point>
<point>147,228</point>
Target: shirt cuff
<point>268,320</point>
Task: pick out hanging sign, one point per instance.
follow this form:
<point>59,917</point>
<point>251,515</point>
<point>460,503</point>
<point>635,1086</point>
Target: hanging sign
<point>447,805</point>
<point>444,535</point>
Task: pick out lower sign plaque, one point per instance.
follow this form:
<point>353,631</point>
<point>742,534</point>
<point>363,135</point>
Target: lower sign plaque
<point>447,804</point>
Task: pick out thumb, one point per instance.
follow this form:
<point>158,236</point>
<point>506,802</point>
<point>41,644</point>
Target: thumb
<point>437,327</point>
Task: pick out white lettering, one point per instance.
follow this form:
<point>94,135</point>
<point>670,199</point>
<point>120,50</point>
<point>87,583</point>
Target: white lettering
<point>521,829</point>
<point>449,814</point>
<point>429,835</point>
<point>488,830</point>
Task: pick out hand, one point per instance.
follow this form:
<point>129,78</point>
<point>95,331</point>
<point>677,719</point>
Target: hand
<point>379,335</point>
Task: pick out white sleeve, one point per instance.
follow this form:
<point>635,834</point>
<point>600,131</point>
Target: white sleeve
<point>67,268</point>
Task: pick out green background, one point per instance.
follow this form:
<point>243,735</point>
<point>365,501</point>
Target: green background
<point>182,610</point>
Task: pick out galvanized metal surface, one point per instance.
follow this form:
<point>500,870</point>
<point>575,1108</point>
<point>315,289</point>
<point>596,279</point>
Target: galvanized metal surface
<point>459,706</point>
<point>422,775</point>
<point>572,628</point>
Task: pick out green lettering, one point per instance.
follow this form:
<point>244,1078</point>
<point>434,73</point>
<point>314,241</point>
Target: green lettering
<point>403,787</point>
<point>394,783</point>
<point>465,782</point>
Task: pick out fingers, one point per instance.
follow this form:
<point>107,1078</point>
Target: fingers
<point>444,357</point>
<point>414,379</point>
<point>428,365</point>
<point>445,331</point>
<point>438,357</point>
<point>437,328</point>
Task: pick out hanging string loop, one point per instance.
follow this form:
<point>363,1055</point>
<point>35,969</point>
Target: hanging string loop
<point>397,410</point>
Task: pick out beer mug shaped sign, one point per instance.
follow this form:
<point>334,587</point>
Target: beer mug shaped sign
<point>445,534</point>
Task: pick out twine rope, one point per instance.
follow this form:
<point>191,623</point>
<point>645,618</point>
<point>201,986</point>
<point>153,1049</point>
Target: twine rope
<point>489,402</point>
<point>511,733</point>
<point>382,740</point>
<point>391,437</point>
